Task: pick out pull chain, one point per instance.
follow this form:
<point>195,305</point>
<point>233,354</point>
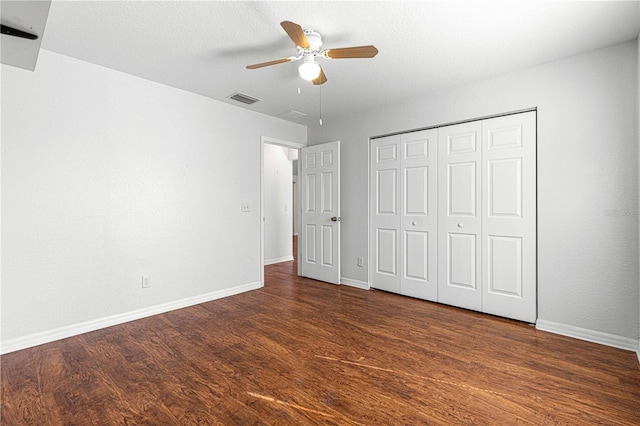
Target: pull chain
<point>321,105</point>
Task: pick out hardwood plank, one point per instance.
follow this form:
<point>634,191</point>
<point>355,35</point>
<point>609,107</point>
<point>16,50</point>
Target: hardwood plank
<point>303,352</point>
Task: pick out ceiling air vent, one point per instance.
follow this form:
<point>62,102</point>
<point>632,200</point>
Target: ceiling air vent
<point>245,99</point>
<point>292,114</point>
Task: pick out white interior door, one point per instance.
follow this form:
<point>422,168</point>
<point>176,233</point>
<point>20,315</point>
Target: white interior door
<point>419,222</point>
<point>320,242</point>
<point>509,216</point>
<point>459,215</point>
<point>385,213</point>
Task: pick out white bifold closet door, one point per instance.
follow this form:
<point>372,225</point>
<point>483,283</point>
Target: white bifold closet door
<point>509,245</point>
<point>487,216</point>
<point>454,216</point>
<point>459,214</point>
<point>404,210</point>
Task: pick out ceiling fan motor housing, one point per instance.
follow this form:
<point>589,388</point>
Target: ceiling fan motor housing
<point>315,41</point>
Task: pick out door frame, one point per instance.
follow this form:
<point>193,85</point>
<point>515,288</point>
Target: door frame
<point>286,144</point>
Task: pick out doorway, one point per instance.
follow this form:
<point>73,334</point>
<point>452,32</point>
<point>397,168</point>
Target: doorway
<point>277,200</point>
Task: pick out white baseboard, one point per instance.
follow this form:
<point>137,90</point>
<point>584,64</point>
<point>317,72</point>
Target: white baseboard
<point>278,260</point>
<point>355,283</point>
<point>638,352</point>
<point>607,339</point>
<point>35,339</point>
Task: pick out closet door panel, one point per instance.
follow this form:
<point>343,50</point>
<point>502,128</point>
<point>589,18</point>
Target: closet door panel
<point>461,189</point>
<point>509,216</point>
<point>504,266</point>
<point>462,261</point>
<point>459,219</point>
<point>419,223</point>
<point>385,214</point>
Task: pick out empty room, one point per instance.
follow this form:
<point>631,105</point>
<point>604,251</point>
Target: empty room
<point>347,213</point>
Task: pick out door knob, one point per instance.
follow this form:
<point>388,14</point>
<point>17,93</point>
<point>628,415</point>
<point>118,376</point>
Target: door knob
<point>335,219</point>
<point>414,223</point>
<point>460,225</point>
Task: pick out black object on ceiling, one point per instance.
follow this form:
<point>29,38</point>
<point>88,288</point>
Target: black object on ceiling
<point>17,33</point>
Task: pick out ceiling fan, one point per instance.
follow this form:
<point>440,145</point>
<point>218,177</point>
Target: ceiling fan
<point>5,29</point>
<point>308,46</point>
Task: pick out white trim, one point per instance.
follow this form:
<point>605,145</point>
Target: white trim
<point>355,283</point>
<point>638,352</point>
<point>282,142</point>
<point>278,260</point>
<point>24,342</point>
<point>594,336</point>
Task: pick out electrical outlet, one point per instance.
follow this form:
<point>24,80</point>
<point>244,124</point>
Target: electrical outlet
<point>360,261</point>
<point>145,281</point>
<point>245,207</point>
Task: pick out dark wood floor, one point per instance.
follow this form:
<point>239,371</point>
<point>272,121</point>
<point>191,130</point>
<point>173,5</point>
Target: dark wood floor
<point>304,352</point>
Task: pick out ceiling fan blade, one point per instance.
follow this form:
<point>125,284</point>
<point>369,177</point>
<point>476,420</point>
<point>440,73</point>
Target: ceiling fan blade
<point>266,64</point>
<point>296,33</point>
<point>351,52</point>
<point>17,33</point>
<point>321,79</point>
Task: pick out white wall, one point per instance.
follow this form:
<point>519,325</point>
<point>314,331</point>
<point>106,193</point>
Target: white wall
<point>587,179</point>
<point>278,211</point>
<point>107,177</point>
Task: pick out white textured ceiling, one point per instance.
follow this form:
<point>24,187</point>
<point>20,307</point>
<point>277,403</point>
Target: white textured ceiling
<point>204,46</point>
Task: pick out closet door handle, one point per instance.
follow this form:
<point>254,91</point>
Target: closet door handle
<point>460,225</point>
<point>414,223</point>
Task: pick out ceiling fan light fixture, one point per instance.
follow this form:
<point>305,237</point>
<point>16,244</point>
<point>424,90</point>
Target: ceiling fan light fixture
<point>308,46</point>
<point>309,70</point>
